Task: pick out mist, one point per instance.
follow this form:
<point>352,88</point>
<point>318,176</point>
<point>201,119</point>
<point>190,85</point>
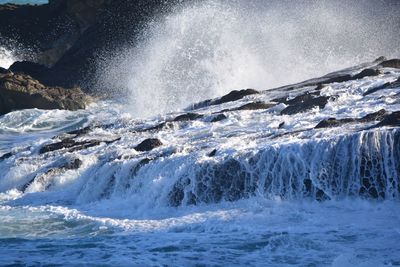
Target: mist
<point>204,49</point>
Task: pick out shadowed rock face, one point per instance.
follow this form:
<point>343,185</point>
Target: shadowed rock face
<point>22,92</point>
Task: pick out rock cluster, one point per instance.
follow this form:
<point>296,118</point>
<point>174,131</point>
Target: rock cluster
<point>18,91</point>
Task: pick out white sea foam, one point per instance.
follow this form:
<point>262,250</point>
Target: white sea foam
<point>7,58</point>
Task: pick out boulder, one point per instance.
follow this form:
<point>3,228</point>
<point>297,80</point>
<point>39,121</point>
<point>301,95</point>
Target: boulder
<point>303,103</point>
<point>392,120</point>
<point>148,144</point>
<point>22,92</point>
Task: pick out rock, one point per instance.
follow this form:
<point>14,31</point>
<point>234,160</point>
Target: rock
<point>389,85</point>
<point>392,119</point>
<point>219,117</point>
<point>71,145</point>
<point>6,156</point>
<point>188,117</point>
<point>332,122</point>
<point>281,125</point>
<point>35,70</point>
<point>376,116</point>
<point>367,73</point>
<point>3,70</point>
<point>392,63</point>
<point>304,103</point>
<point>148,144</point>
<point>254,106</point>
<point>232,96</point>
<point>23,92</point>
<point>212,153</point>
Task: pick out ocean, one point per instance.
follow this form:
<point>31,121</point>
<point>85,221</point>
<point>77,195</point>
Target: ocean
<point>231,185</point>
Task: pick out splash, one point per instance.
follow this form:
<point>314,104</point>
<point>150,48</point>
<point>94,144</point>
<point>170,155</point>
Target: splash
<point>207,48</point>
<point>7,58</point>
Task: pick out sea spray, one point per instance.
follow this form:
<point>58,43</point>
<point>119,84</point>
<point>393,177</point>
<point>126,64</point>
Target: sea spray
<point>207,48</point>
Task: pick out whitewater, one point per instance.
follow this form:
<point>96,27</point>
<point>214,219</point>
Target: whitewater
<point>246,181</point>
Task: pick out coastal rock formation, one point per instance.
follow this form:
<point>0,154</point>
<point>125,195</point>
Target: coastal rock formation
<point>19,91</point>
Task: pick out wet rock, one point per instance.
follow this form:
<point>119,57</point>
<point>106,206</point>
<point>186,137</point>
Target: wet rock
<point>304,103</point>
<point>389,85</point>
<point>6,156</point>
<point>3,70</point>
<point>80,132</point>
<point>148,144</point>
<point>281,125</point>
<point>332,122</point>
<point>338,79</point>
<point>23,92</point>
<point>392,119</point>
<point>392,63</point>
<point>212,153</point>
<point>73,164</point>
<point>376,116</point>
<point>188,117</point>
<point>254,106</point>
<point>232,96</point>
<point>320,195</point>
<point>32,69</point>
<point>158,127</point>
<point>367,73</point>
<point>139,165</point>
<point>71,145</point>
<point>219,117</point>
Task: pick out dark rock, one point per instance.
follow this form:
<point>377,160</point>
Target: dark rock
<point>212,153</point>
<point>3,70</point>
<point>148,144</point>
<point>339,79</point>
<point>219,117</point>
<point>73,164</point>
<point>376,116</point>
<point>23,92</point>
<point>392,119</point>
<point>367,73</point>
<point>139,165</point>
<point>234,95</point>
<point>158,127</point>
<point>392,63</point>
<point>389,85</point>
<point>188,117</point>
<point>281,125</point>
<point>332,122</point>
<point>6,156</point>
<point>71,145</point>
<point>321,195</point>
<point>304,103</point>
<point>254,106</point>
<point>82,131</point>
<point>34,70</point>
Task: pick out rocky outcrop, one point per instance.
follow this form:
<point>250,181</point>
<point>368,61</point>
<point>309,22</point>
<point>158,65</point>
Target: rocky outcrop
<point>21,92</point>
